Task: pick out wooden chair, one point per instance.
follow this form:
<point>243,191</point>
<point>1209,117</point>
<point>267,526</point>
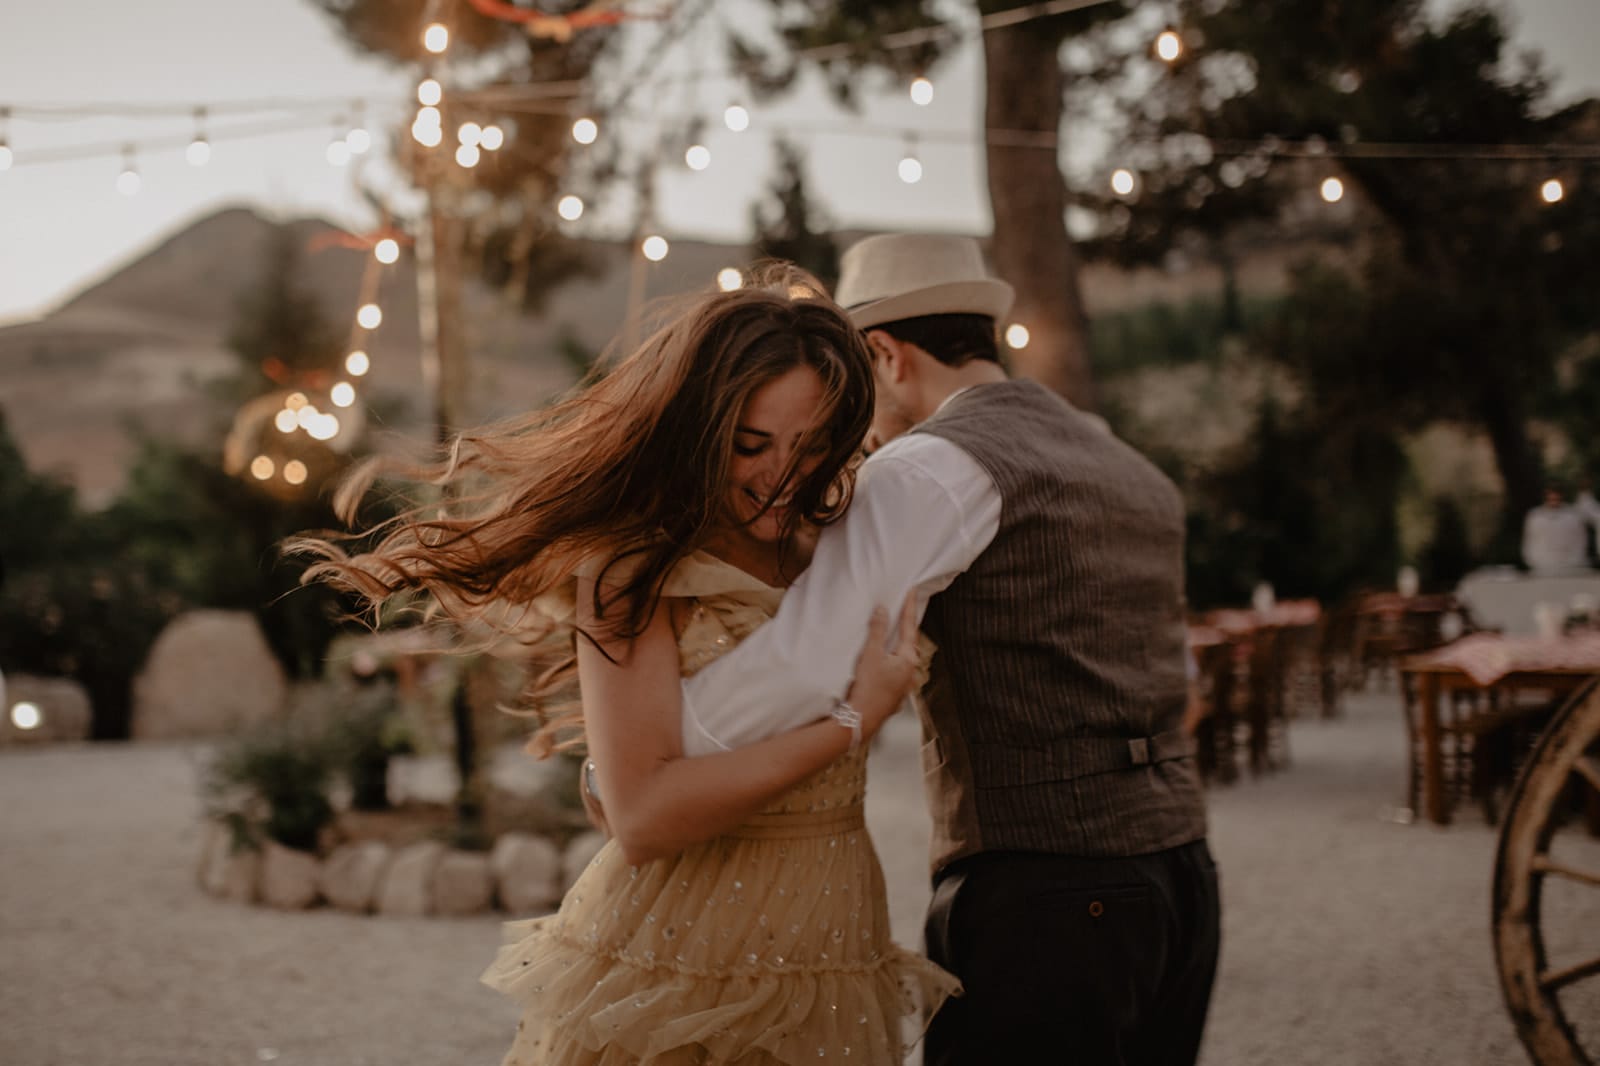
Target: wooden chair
<point>1215,720</point>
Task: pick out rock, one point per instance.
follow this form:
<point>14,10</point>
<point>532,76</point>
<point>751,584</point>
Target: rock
<point>209,672</point>
<point>580,852</point>
<point>288,877</point>
<point>409,880</point>
<point>352,874</point>
<point>234,875</point>
<point>463,884</point>
<point>527,873</point>
<point>60,712</point>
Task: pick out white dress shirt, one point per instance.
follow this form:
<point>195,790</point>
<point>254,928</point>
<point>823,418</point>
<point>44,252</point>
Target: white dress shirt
<point>923,511</point>
<point>1555,539</point>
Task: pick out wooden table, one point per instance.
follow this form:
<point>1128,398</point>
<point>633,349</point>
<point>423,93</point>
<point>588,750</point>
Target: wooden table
<point>1481,663</point>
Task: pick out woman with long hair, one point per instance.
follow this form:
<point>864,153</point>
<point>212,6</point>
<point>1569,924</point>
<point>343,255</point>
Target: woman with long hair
<point>738,912</point>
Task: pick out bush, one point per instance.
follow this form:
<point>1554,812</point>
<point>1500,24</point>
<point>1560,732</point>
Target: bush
<point>272,783</point>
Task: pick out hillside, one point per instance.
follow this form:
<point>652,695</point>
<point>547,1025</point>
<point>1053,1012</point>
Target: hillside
<point>141,347</point>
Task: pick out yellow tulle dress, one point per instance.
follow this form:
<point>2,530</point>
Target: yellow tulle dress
<point>768,945</point>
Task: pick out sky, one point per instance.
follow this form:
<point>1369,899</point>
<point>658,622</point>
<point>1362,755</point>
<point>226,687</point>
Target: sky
<point>63,224</point>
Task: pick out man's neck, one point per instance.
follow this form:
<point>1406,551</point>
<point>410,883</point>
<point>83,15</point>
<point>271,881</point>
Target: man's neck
<point>959,379</point>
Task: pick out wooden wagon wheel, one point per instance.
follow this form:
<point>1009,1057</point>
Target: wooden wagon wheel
<point>1523,860</point>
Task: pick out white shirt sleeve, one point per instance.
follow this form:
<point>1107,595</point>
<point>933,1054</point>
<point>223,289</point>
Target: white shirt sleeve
<point>923,511</point>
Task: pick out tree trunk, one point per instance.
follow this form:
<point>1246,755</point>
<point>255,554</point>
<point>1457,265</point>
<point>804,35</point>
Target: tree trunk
<point>1031,248</point>
<point>1518,463</point>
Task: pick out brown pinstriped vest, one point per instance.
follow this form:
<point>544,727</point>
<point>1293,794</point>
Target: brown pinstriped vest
<point>1056,695</point>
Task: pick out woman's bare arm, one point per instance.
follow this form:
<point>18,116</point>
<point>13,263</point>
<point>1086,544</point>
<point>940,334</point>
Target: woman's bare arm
<point>657,802</point>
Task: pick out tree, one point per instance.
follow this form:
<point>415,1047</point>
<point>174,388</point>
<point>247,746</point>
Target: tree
<point>790,229</point>
<point>1468,287</point>
<point>1025,84</point>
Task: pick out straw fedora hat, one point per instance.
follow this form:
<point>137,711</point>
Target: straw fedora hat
<point>907,275</point>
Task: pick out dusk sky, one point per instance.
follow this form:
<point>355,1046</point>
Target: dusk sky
<point>63,224</point>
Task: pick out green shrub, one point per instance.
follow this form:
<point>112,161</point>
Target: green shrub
<point>272,783</point>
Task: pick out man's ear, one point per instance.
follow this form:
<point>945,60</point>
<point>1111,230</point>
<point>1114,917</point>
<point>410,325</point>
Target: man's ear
<point>891,354</point>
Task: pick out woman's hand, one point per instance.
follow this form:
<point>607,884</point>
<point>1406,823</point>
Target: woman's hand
<point>885,675</point>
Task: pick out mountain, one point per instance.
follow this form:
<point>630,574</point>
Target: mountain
<point>144,348</point>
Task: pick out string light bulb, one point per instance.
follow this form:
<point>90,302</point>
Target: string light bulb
<point>470,133</point>
<point>1017,336</point>
<point>585,130</point>
<point>570,208</point>
<point>429,93</point>
<point>921,91</point>
<point>736,118</point>
<point>343,394</point>
<point>294,472</point>
<point>199,151</point>
<point>357,363</point>
<point>910,168</point>
<point>436,38</point>
<point>262,467</point>
<point>1552,191</point>
<point>359,140</point>
<point>655,248</point>
<point>492,138</point>
<point>338,152</point>
<point>26,715</point>
<point>1169,46</point>
<point>370,316</point>
<point>129,182</point>
<point>698,157</point>
<point>426,130</point>
<point>1332,190</point>
<point>386,251</point>
<point>286,421</point>
<point>1123,182</point>
<point>729,278</point>
<point>468,155</point>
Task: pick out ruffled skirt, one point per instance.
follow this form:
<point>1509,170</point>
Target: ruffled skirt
<point>767,946</point>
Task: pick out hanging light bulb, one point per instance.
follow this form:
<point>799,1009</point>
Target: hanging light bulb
<point>493,137</point>
<point>1123,182</point>
<point>698,157</point>
<point>387,250</point>
<point>286,421</point>
<point>1332,190</point>
<point>470,133</point>
<point>1017,336</point>
<point>655,248</point>
<point>426,129</point>
<point>1169,46</point>
<point>369,316</point>
<point>358,140</point>
<point>729,278</point>
<point>338,152</point>
<point>585,130</point>
<point>570,208</point>
<point>356,364</point>
<point>921,91</point>
<point>343,394</point>
<point>294,472</point>
<point>128,182</point>
<point>436,38</point>
<point>199,151</point>
<point>429,92</point>
<point>910,167</point>
<point>262,467</point>
<point>468,155</point>
<point>1552,191</point>
<point>736,118</point>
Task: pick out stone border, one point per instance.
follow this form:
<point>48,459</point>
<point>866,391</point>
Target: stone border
<point>524,874</point>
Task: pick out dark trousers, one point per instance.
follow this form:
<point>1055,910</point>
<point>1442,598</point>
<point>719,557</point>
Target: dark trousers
<point>1095,962</point>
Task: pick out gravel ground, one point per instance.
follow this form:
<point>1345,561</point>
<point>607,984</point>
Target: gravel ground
<point>1349,938</point>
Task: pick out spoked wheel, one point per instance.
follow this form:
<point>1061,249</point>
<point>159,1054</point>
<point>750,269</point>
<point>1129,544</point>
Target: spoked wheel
<point>1544,852</point>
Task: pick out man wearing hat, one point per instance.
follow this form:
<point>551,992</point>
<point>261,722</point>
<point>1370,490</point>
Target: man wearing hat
<point>1074,894</point>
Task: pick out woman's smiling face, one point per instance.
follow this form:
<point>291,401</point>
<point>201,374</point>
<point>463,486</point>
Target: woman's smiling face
<point>778,433</point>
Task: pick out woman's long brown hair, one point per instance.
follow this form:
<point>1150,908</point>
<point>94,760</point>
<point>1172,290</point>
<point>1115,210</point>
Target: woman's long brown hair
<point>630,472</point>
